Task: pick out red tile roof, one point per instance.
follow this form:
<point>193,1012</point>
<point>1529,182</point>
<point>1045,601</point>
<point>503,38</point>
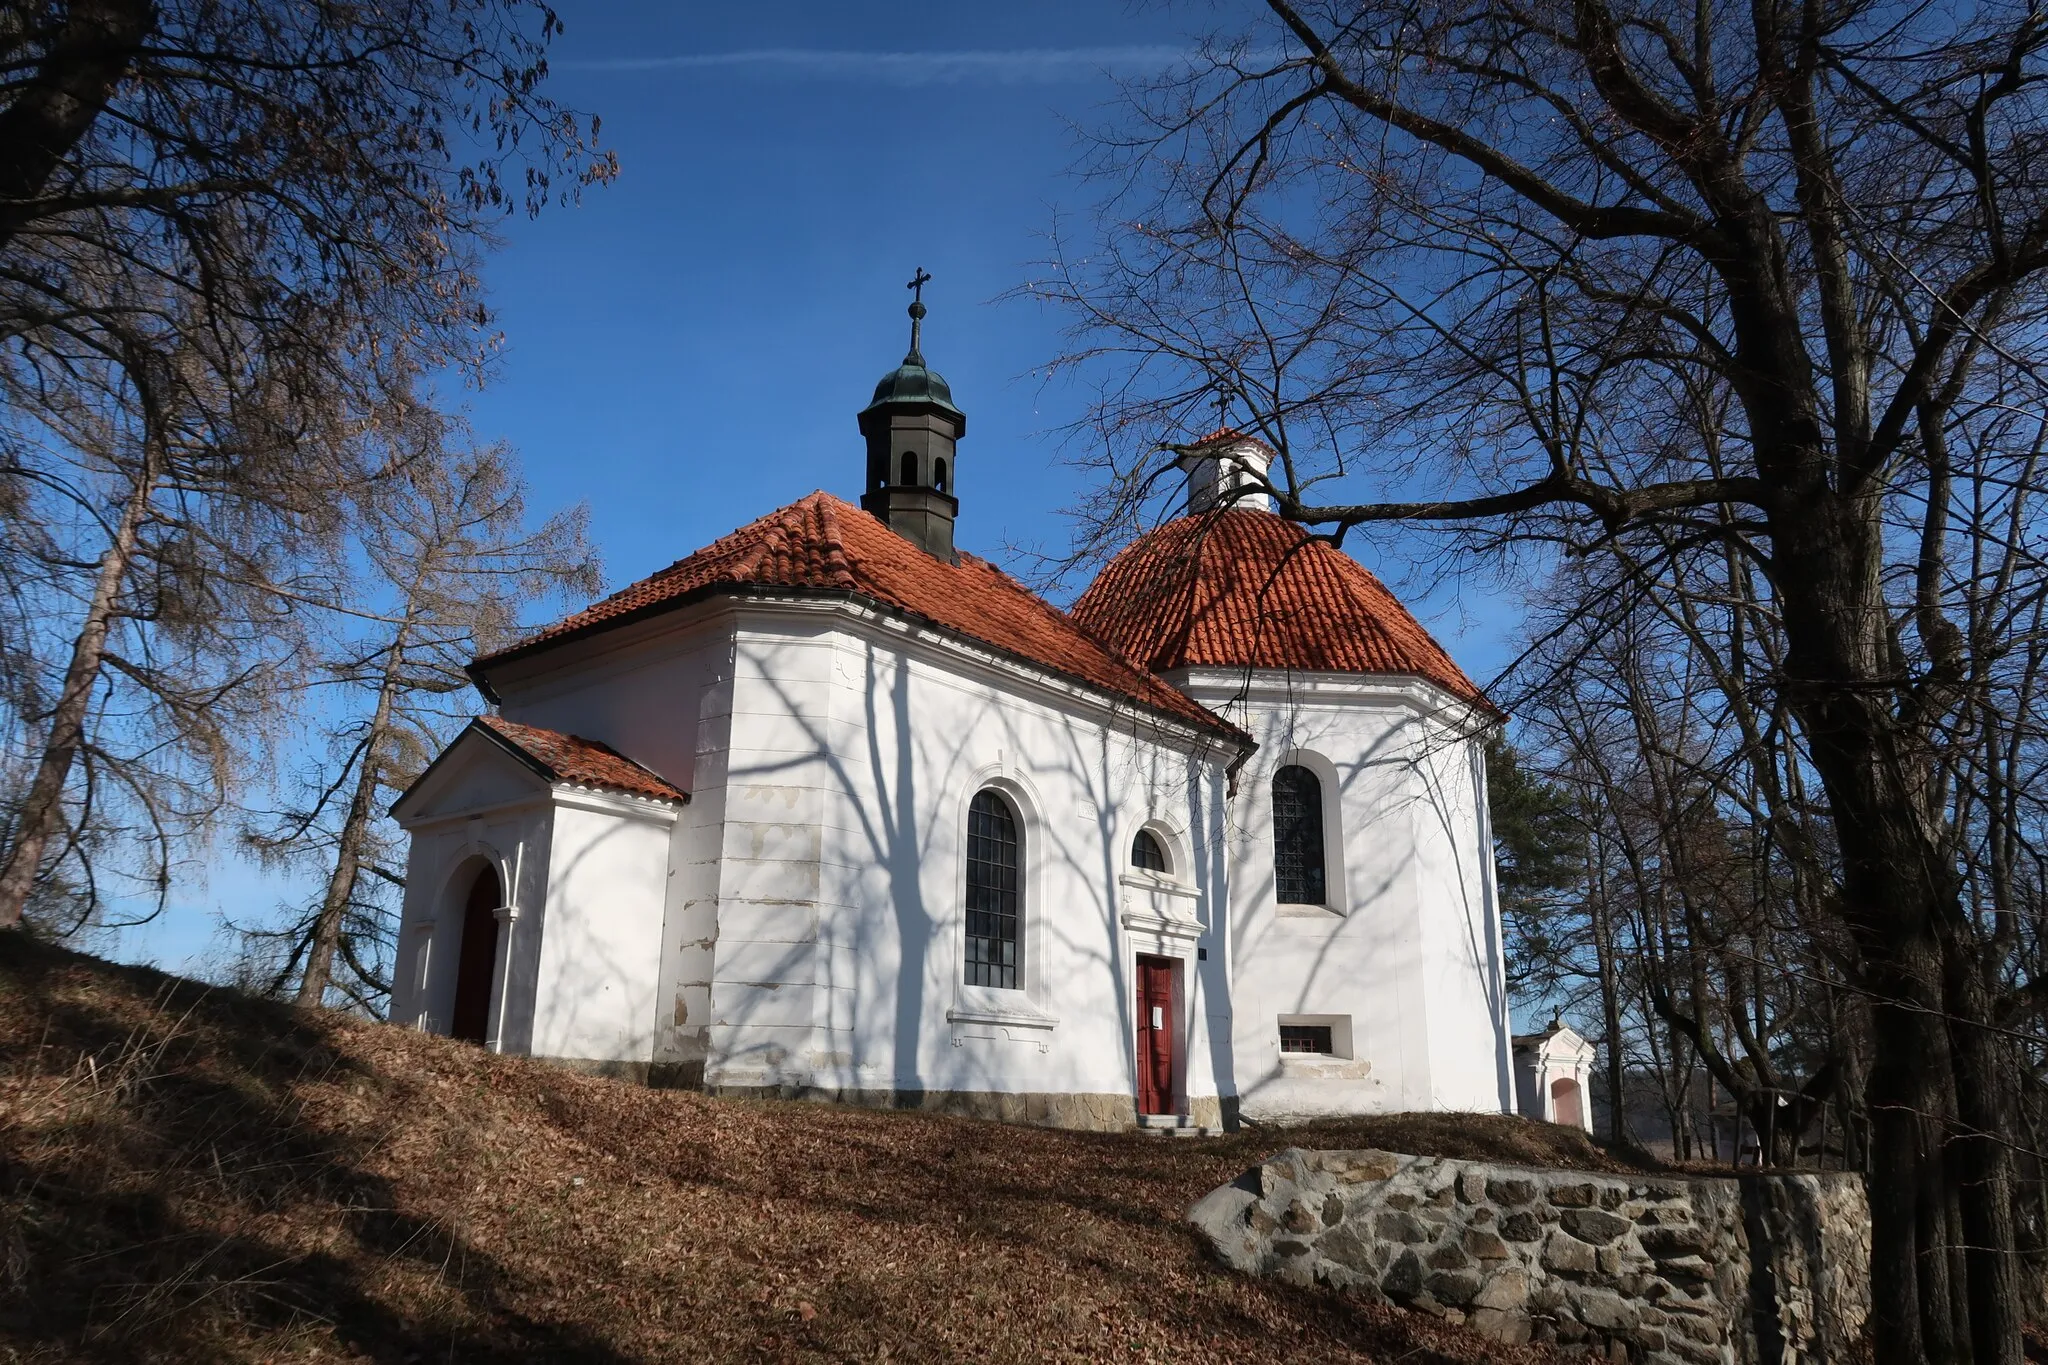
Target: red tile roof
<point>1226,434</point>
<point>1243,588</point>
<point>822,545</point>
<point>584,762</point>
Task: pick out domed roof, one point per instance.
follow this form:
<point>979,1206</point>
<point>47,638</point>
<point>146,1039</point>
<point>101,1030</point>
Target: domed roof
<point>1248,589</point>
<point>913,382</point>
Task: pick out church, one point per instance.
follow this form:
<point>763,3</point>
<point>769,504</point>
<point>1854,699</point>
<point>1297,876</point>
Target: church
<point>834,809</point>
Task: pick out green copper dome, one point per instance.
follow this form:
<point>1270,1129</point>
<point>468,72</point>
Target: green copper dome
<point>911,382</point>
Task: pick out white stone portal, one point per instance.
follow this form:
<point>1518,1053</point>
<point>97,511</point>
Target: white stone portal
<point>1554,1076</point>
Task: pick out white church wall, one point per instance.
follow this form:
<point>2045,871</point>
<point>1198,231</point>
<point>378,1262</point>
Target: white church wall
<point>636,688</point>
<point>1371,964</point>
<point>660,692</point>
<point>1469,1046</point>
<point>690,919</point>
<point>767,1004</point>
<point>597,964</point>
<point>855,752</point>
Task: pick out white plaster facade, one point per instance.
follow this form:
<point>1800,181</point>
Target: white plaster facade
<point>1402,961</point>
<point>796,925</point>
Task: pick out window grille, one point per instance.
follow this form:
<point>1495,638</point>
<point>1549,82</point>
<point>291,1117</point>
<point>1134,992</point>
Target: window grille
<point>1146,853</point>
<point>993,882</point>
<point>1309,1038</point>
<point>1298,837</point>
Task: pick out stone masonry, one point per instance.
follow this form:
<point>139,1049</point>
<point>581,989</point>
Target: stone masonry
<point>1752,1270</point>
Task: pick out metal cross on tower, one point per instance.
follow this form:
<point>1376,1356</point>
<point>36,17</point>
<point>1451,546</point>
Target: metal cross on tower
<point>916,287</point>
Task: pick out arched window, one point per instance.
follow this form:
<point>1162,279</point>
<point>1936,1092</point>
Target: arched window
<point>1146,853</point>
<point>909,467</point>
<point>993,884</point>
<point>1298,836</point>
<point>939,475</point>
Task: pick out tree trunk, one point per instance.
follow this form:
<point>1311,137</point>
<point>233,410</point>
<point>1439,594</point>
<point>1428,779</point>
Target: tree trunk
<point>42,806</point>
<point>88,57</point>
<point>341,885</point>
<point>1983,1162</point>
<point>1895,895</point>
<point>1610,1019</point>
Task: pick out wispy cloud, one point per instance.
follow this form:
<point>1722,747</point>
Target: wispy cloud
<point>1013,66</point>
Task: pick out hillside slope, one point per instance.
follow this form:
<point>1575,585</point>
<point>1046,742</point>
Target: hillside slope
<point>187,1174</point>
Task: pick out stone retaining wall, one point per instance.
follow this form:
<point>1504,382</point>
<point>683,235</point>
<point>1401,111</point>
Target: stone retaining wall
<point>1755,1270</point>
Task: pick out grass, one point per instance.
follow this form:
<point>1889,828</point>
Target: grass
<point>187,1174</point>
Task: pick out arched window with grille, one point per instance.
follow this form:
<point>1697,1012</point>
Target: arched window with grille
<point>1298,837</point>
<point>995,880</point>
<point>1147,854</point>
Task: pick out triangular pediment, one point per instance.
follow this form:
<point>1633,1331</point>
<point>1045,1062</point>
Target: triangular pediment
<point>475,773</point>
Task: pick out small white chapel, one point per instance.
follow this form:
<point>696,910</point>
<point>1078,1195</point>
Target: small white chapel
<point>832,808</point>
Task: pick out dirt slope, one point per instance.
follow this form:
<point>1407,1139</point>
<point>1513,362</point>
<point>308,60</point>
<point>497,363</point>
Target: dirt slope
<point>190,1175</point>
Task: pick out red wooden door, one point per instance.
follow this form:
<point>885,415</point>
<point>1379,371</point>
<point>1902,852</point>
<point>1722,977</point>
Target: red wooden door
<point>1155,1035</point>
<point>476,961</point>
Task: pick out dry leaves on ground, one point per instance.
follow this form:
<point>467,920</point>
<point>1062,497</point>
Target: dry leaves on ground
<point>187,1174</point>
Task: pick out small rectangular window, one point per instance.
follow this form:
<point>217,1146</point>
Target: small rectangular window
<point>1312,1038</point>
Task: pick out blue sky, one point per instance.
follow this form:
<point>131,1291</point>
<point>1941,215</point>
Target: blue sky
<point>686,349</point>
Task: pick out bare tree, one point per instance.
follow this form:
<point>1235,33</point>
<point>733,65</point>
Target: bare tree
<point>145,604</point>
<point>1496,259</point>
<point>449,566</point>
<point>254,224</point>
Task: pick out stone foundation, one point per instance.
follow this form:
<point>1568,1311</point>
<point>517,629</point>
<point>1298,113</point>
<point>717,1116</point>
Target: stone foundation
<point>1755,1270</point>
<point>1088,1112</point>
<point>639,1073</point>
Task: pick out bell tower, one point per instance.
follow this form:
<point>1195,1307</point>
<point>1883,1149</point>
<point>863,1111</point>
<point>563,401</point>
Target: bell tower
<point>912,429</point>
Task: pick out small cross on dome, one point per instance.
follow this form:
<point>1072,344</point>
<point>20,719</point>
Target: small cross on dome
<point>916,287</point>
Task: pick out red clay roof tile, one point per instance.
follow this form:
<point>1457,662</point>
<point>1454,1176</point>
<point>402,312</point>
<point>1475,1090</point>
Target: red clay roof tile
<point>1227,434</point>
<point>822,544</point>
<point>1243,588</point>
<point>585,762</point>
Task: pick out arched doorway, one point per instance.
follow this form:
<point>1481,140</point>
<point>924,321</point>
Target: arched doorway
<point>478,959</point>
<point>1564,1103</point>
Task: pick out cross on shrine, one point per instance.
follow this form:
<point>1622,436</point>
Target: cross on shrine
<point>917,284</point>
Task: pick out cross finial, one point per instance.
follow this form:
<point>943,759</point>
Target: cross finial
<point>916,287</point>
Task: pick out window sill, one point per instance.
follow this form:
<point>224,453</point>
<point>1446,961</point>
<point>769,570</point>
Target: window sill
<point>1288,910</point>
<point>1165,886</point>
<point>1012,1016</point>
<point>1317,1066</point>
